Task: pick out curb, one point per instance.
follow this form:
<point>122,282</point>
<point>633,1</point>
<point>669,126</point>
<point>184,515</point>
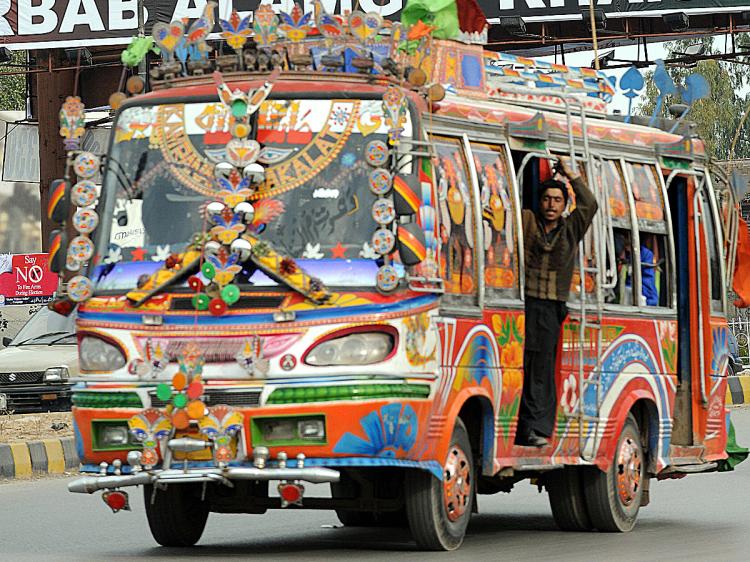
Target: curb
<point>47,456</point>
<point>738,390</point>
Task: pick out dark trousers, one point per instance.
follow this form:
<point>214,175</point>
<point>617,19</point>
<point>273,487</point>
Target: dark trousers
<point>539,399</point>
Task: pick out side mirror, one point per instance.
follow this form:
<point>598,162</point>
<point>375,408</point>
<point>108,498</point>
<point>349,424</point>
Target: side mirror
<point>406,199</point>
<point>59,201</point>
<point>6,341</point>
<point>411,243</point>
<point>58,251</point>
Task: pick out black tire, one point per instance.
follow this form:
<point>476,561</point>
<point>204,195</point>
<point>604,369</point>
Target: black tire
<point>567,499</point>
<point>437,524</point>
<point>177,516</point>
<point>614,497</point>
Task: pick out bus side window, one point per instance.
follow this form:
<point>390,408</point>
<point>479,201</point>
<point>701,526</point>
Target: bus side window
<point>457,263</point>
<point>714,257</point>
<point>498,220</point>
<point>652,232</point>
<point>622,293</point>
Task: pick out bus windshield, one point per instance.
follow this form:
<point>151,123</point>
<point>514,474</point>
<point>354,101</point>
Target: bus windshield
<point>315,205</point>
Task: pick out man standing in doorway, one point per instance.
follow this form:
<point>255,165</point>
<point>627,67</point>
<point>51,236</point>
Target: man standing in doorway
<point>550,243</point>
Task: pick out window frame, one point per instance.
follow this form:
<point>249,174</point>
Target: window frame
<point>453,303</point>
<point>491,294</point>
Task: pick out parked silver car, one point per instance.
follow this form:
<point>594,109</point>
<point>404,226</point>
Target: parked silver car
<point>36,366</point>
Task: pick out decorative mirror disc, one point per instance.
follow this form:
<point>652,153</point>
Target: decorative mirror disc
<point>383,211</point>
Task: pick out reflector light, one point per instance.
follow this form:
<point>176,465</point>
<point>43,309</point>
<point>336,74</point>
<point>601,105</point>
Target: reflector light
<point>116,500</point>
<point>291,493</point>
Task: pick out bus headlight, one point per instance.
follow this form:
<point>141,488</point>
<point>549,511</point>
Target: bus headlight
<point>359,348</point>
<point>95,354</point>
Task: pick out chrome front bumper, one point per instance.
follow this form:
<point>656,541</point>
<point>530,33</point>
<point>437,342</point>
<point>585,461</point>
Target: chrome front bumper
<point>91,484</point>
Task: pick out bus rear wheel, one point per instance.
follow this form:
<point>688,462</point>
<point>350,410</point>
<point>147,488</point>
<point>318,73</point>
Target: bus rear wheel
<point>614,497</point>
<point>177,516</point>
<point>439,511</point>
<point>567,499</point>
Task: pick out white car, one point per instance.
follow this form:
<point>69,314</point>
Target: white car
<point>36,366</point>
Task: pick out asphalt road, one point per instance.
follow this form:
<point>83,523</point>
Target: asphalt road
<point>700,517</point>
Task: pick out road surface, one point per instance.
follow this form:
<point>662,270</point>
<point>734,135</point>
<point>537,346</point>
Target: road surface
<point>700,517</point>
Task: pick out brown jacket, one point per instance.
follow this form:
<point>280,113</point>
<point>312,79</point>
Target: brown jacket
<point>550,257</point>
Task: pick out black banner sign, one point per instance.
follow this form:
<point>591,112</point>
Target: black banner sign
<point>63,23</point>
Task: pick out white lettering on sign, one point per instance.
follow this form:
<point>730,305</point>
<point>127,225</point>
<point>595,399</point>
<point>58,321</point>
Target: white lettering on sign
<point>29,15</point>
<point>511,4</point>
<point>183,9</point>
<point>26,274</point>
<point>118,9</point>
<point>89,17</point>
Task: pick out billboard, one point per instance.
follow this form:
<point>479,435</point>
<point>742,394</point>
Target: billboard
<point>30,24</point>
<point>25,279</point>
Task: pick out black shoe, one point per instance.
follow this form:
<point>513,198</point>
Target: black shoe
<point>533,439</point>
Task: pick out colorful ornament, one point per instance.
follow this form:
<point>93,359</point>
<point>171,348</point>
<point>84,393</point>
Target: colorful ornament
<point>85,221</point>
<point>295,25</point>
<point>86,165</point>
<point>72,122</point>
<point>387,278</point>
<point>167,36</point>
<point>381,181</point>
<point>251,359</point>
<point>80,288</point>
<point>376,153</point>
<point>395,108</point>
<point>242,152</point>
<point>383,211</point>
<point>81,248</point>
<point>383,241</point>
<point>365,27</point>
<point>236,30</point>
<point>265,25</point>
<point>217,307</point>
<point>150,427</point>
<point>83,193</point>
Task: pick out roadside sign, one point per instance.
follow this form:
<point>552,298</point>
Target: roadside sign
<point>25,279</point>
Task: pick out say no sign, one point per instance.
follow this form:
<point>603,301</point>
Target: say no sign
<point>29,281</point>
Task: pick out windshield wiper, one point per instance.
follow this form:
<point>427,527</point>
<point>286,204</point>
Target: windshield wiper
<point>62,337</point>
<point>59,333</point>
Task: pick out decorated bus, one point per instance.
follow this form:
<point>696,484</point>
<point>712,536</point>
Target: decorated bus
<point>305,265</point>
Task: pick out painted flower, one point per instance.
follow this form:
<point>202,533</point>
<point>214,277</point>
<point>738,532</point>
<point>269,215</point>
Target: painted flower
<point>390,431</point>
<point>521,326</point>
<point>512,356</point>
<point>569,398</point>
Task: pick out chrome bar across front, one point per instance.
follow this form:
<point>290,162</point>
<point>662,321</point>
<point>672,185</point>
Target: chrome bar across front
<point>91,484</point>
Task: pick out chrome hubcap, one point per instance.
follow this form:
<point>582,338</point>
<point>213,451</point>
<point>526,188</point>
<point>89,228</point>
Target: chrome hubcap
<point>456,483</point>
<point>628,470</point>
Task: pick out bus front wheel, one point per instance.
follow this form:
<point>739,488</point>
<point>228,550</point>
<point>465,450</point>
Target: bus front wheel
<point>614,497</point>
<point>177,515</point>
<point>439,511</point>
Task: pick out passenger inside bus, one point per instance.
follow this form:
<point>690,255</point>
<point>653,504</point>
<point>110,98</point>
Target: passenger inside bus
<point>623,293</point>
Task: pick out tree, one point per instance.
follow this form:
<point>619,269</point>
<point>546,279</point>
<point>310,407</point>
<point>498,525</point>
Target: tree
<point>13,88</point>
<point>718,116</point>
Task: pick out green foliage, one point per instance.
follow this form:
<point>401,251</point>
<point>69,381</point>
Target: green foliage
<point>13,88</point>
<point>718,116</point>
